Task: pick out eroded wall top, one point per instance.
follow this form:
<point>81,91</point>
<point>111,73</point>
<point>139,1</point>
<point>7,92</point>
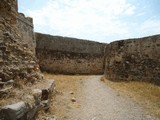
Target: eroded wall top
<point>68,44</point>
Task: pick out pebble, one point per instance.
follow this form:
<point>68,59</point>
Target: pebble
<point>73,99</point>
<point>72,92</point>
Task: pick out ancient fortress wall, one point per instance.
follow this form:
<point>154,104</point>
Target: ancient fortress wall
<point>69,55</point>
<point>134,59</point>
<point>16,58</point>
<point>26,32</point>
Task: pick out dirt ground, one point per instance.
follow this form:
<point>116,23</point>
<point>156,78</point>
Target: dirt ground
<point>89,98</point>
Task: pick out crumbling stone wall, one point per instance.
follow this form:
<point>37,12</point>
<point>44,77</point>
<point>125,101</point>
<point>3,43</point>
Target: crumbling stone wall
<point>16,58</point>
<point>134,59</point>
<point>19,71</point>
<point>26,32</point>
<point>68,55</point>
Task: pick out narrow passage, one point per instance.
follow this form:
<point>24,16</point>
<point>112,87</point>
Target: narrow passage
<point>88,98</point>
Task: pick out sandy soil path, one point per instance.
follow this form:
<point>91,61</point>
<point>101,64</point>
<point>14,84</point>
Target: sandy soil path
<point>96,101</point>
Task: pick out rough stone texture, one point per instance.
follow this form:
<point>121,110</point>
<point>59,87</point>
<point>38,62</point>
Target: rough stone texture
<point>16,58</point>
<point>40,103</point>
<point>18,65</point>
<point>69,55</point>
<point>6,87</point>
<point>25,27</point>
<point>48,89</point>
<point>27,110</point>
<point>37,93</point>
<point>134,59</point>
<point>15,111</point>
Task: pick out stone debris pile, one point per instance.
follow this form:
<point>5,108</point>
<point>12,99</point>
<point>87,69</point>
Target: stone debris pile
<point>39,101</point>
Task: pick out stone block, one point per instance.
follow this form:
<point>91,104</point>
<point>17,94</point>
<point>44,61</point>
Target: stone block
<point>32,112</point>
<point>37,93</point>
<point>15,111</point>
<point>48,89</point>
<point>46,104</point>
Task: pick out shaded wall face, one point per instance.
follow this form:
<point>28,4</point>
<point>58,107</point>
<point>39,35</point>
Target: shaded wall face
<point>69,56</point>
<point>135,59</point>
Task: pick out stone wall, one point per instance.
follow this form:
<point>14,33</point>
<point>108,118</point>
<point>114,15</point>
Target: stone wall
<point>69,55</point>
<point>26,32</point>
<point>23,91</point>
<point>134,59</point>
<point>17,61</point>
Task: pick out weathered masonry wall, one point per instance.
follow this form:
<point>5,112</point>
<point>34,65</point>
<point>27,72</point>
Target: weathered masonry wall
<point>16,58</point>
<point>134,59</point>
<point>23,91</point>
<point>26,32</point>
<point>68,55</point>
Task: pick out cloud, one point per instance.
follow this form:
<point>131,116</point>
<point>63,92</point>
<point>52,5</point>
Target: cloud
<point>140,14</point>
<point>87,19</point>
<point>151,26</point>
<point>130,10</point>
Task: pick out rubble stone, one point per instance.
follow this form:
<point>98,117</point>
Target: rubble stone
<point>15,111</point>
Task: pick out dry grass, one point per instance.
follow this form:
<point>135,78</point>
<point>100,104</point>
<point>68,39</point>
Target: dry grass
<point>146,94</point>
<point>67,87</point>
<point>63,81</point>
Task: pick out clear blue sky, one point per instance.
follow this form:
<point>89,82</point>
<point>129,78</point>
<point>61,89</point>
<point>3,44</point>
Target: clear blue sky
<point>98,20</point>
